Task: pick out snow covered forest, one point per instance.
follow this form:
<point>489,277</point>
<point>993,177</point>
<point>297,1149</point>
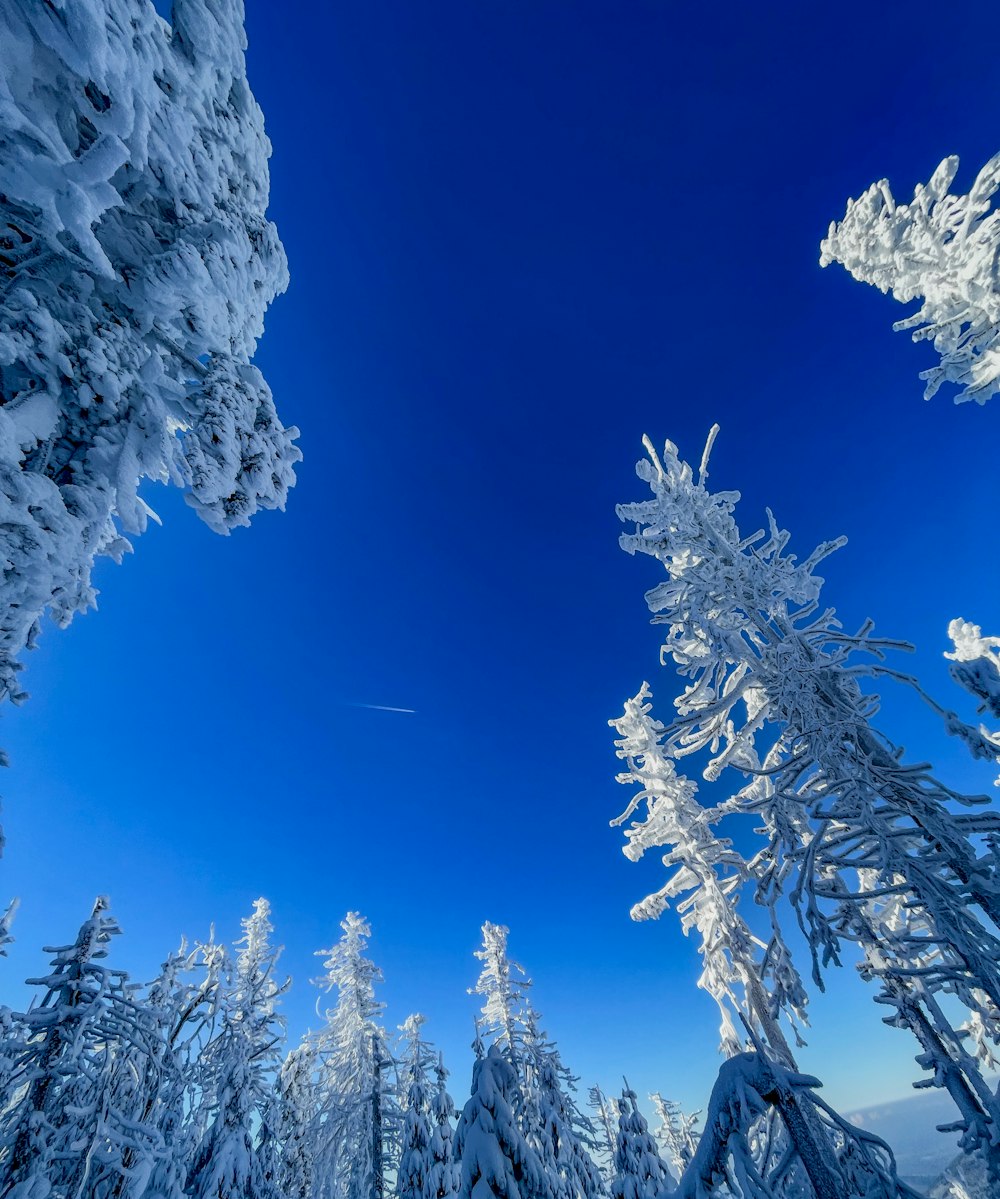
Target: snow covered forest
<point>137,262</point>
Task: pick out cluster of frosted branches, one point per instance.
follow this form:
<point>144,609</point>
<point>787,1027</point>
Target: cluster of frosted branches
<point>869,851</point>
<point>136,263</point>
<point>760,1141</point>
<point>942,249</point>
<point>707,877</point>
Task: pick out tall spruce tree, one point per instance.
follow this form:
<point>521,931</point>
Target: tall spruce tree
<point>355,1097</point>
<point>415,1179</point>
<point>445,1173</point>
<point>243,1060</point>
<point>868,850</point>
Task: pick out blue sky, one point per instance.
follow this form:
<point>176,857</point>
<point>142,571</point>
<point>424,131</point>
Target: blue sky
<point>520,236</point>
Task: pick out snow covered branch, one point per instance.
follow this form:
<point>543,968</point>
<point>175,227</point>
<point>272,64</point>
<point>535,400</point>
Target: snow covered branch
<point>940,248</point>
<point>136,264</point>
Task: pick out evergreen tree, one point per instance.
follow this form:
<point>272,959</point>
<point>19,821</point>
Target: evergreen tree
<point>444,1177</point>
<point>70,1126</point>
<point>355,1102</point>
<point>675,1132</point>
<point>565,1133</point>
<point>640,1172</point>
<point>867,849</point>
<point>496,1160</point>
<point>606,1118</point>
<point>294,1123</point>
<point>415,1179</point>
<point>503,985</point>
<point>243,1059</point>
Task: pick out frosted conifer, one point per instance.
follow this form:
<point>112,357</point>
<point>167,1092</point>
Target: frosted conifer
<point>352,1052</point>
<point>675,1132</point>
<point>496,1160</point>
<point>294,1123</point>
<point>868,850</point>
<point>416,1157</point>
<point>136,263</point>
<point>640,1172</point>
<point>70,1126</point>
<point>444,1175</point>
<point>243,1059</point>
<point>503,985</point>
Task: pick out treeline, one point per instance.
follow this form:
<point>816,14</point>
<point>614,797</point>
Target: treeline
<point>185,1087</point>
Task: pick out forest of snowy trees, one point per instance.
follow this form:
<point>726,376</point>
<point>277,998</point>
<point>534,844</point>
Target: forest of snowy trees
<point>137,263</point>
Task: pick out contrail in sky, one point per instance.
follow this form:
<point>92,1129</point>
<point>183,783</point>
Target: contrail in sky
<point>383,708</point>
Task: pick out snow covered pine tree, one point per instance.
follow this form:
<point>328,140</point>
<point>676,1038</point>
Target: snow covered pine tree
<point>136,263</point>
<point>357,1110</point>
<point>497,1161</point>
<point>868,850</point>
<point>415,1160</point>
<point>243,1061</point>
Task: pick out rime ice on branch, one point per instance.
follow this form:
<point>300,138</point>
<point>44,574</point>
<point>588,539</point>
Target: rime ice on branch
<point>942,249</point>
<point>869,851</point>
<point>136,263</point>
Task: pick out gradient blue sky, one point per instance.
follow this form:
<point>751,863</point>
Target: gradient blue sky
<point>521,234</point>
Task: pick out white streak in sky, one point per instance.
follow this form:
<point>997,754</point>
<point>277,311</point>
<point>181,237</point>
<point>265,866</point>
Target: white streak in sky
<point>383,708</point>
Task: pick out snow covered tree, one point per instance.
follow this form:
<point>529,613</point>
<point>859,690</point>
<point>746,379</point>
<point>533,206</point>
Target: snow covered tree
<point>355,1099</point>
<point>675,1132</point>
<point>182,1091</point>
<point>496,1160</point>
<point>293,1121</point>
<point>136,263</point>
<point>70,1126</point>
<point>444,1177</point>
<point>940,248</point>
<point>415,1179</point>
<point>243,1059</point>
<point>504,986</point>
<point>869,850</point>
<point>640,1172</point>
<point>606,1119</point>
<point>553,1123</point>
<point>542,1099</point>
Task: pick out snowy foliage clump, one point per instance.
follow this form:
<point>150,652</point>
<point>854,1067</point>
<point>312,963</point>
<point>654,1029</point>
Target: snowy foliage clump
<point>136,263</point>
<point>869,852</point>
<point>975,665</point>
<point>497,1161</point>
<point>942,249</point>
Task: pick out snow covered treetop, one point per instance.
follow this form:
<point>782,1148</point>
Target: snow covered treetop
<point>136,264</point>
<point>940,248</point>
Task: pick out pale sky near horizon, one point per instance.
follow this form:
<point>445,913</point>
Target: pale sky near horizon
<point>520,235</point>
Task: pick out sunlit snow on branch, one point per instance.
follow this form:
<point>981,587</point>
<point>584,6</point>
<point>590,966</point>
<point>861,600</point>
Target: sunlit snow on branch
<point>872,854</point>
<point>136,264</point>
<point>942,249</point>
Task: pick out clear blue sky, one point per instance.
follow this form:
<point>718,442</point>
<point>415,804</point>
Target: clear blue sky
<point>521,234</point>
